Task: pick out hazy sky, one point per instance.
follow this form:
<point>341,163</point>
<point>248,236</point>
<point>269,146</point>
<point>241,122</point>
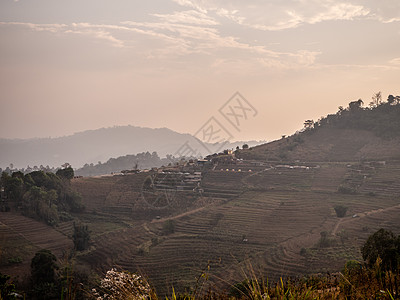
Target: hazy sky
<point>68,66</point>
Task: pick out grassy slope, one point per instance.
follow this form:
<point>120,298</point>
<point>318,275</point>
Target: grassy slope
<point>327,144</point>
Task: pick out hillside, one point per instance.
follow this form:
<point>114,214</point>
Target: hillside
<point>93,146</point>
<point>267,212</point>
<point>270,218</point>
<point>352,134</point>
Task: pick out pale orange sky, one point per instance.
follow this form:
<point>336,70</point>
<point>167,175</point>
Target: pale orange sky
<point>69,66</point>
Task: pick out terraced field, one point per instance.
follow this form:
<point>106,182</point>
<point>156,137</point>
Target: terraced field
<point>270,219</point>
<point>385,181</point>
<point>22,237</point>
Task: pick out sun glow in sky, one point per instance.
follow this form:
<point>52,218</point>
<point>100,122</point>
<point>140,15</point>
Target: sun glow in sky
<point>69,66</point>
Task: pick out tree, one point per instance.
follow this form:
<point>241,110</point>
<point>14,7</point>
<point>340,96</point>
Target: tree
<point>392,100</point>
<point>13,187</point>
<point>308,124</point>
<point>325,240</point>
<point>81,237</point>
<point>66,173</point>
<point>245,146</point>
<point>376,100</point>
<point>354,105</point>
<point>386,246</point>
<point>43,274</point>
<point>43,267</point>
<point>340,211</point>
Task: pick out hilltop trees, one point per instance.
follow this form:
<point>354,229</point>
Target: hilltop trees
<point>143,160</point>
<point>66,173</point>
<point>393,100</point>
<point>376,100</point>
<point>308,124</point>
<point>354,105</point>
<point>13,185</point>
<point>382,118</point>
<point>41,195</point>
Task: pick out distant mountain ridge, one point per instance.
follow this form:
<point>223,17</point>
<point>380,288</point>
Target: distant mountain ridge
<point>92,146</point>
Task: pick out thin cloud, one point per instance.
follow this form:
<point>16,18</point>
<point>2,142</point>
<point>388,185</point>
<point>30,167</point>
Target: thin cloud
<point>191,4</point>
<point>38,27</point>
<point>64,28</point>
<point>179,39</point>
<point>282,15</point>
<point>395,61</point>
<point>188,17</point>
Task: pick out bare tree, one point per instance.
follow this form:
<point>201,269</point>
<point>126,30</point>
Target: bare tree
<point>376,100</point>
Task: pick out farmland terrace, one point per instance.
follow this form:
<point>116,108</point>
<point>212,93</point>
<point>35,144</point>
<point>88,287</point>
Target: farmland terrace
<point>21,237</point>
<point>270,218</point>
<point>226,221</point>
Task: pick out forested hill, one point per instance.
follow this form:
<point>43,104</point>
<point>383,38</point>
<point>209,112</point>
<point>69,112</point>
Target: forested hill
<point>143,160</point>
<point>353,133</point>
<point>89,146</point>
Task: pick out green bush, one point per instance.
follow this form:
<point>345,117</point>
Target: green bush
<point>15,260</point>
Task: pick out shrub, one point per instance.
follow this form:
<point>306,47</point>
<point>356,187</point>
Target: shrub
<point>168,227</point>
<point>352,266</point>
<point>340,211</point>
<point>7,287</point>
<point>122,285</point>
<point>343,189</point>
<point>303,251</point>
<point>326,241</point>
<point>81,237</point>
<point>15,260</point>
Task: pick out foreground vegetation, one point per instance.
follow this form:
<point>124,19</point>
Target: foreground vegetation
<point>378,278</point>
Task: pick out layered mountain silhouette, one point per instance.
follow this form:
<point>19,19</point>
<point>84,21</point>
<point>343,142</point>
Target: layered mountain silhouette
<point>97,145</point>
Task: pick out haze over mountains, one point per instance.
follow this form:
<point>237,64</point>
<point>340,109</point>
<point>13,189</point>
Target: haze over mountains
<point>92,146</point>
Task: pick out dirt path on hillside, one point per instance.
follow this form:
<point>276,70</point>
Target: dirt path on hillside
<point>187,213</point>
<point>361,215</point>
